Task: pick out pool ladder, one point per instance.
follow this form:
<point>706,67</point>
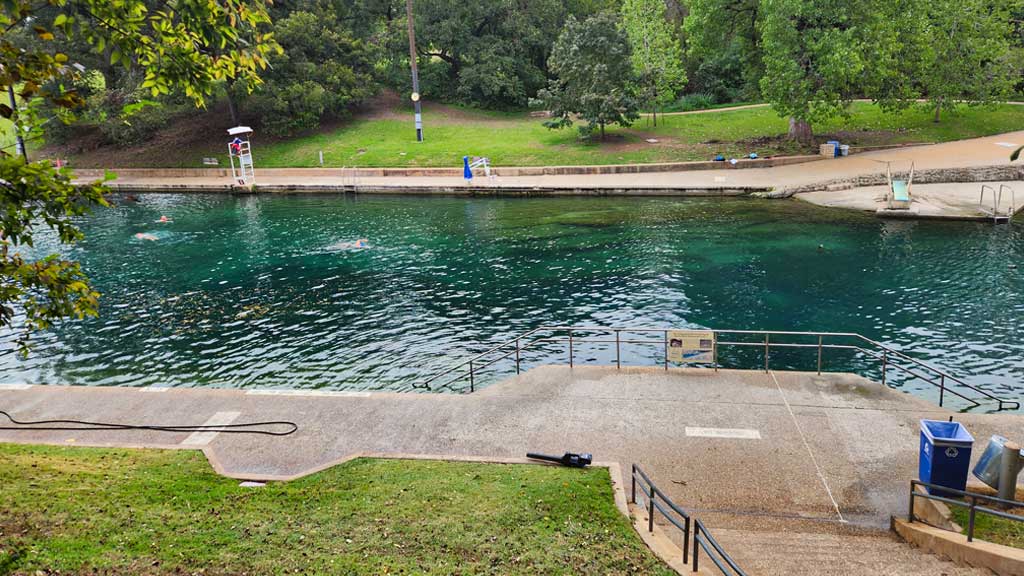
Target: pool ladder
<point>997,199</point>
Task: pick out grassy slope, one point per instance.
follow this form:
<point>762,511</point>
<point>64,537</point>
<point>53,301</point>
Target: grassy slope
<point>524,141</point>
<point>991,528</point>
<point>160,512</point>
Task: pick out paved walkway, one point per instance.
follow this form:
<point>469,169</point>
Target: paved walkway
<point>749,451</point>
<point>988,151</point>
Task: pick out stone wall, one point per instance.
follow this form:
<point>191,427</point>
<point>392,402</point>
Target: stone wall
<point>999,173</point>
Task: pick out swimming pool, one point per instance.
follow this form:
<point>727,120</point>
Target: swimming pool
<point>269,291</point>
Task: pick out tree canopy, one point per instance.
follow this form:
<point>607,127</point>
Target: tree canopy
<point>657,55</point>
<point>169,45</point>
<point>591,60</point>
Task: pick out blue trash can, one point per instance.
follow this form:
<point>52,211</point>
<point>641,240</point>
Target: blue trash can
<point>945,456</point>
<point>835,144</point>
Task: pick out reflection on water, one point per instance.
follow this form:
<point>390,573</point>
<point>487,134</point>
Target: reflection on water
<point>271,291</point>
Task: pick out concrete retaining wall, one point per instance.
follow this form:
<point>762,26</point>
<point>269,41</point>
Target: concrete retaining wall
<point>436,190</point>
<point>1002,560</point>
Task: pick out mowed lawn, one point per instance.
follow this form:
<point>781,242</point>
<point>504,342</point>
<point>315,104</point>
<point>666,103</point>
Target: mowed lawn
<point>515,140</point>
<point>109,511</point>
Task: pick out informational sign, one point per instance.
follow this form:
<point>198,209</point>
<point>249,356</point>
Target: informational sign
<point>691,346</point>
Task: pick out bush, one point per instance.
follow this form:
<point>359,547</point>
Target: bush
<point>690,102</point>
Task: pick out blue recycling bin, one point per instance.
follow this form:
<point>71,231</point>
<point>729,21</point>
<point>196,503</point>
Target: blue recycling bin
<point>835,145</point>
<point>945,456</point>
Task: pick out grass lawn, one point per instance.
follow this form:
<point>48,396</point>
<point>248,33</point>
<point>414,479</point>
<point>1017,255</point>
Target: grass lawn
<point>109,511</point>
<point>991,528</point>
<point>515,139</point>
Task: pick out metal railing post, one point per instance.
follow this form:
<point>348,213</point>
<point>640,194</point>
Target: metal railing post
<point>766,352</point>
<point>910,512</point>
<point>819,354</point>
<point>714,349</point>
<point>650,508</point>
<point>696,548</point>
<point>970,521</point>
<point>885,363</point>
<point>472,385</point>
<point>942,389</point>
<point>618,357</point>
<point>570,348</point>
<point>686,541</point>
<point>517,355</point>
<point>665,333</point>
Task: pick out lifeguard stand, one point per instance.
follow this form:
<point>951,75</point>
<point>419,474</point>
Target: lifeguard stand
<point>240,153</point>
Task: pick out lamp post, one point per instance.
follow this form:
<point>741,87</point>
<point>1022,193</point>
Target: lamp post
<point>415,72</point>
<point>19,141</point>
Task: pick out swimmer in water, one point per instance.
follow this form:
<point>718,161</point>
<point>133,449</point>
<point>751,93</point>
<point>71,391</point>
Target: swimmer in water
<point>145,236</point>
<point>360,243</point>
<point>164,220</point>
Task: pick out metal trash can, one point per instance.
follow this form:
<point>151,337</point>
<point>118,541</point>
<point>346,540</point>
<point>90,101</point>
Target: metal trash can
<point>987,468</point>
<point>945,456</point>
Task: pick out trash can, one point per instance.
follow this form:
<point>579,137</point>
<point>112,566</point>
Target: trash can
<point>844,150</point>
<point>987,468</point>
<point>835,147</point>
<point>945,456</point>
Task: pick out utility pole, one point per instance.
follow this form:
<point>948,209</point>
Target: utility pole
<point>19,141</point>
<point>415,72</point>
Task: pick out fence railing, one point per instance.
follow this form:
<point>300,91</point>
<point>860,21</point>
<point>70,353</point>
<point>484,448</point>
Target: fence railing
<point>702,539</point>
<point>572,337</point>
<point>657,502</point>
<point>971,503</point>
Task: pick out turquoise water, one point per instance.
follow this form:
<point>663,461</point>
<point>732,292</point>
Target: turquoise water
<point>256,290</point>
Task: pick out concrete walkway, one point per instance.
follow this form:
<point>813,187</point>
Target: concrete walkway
<point>964,154</point>
<point>749,451</point>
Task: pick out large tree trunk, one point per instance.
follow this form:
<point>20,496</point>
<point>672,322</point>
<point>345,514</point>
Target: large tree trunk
<point>938,110</point>
<point>602,131</point>
<point>800,130</point>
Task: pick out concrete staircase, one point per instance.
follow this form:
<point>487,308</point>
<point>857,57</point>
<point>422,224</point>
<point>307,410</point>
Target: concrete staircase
<point>816,553</point>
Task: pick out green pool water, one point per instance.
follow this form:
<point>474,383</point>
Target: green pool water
<point>256,290</point>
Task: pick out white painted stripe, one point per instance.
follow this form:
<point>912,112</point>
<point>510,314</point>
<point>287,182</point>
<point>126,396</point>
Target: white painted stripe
<point>155,389</point>
<point>203,438</point>
<point>742,433</point>
<point>809,451</point>
<point>15,386</point>
<point>272,392</point>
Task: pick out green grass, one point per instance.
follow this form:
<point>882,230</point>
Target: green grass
<point>991,528</point>
<point>109,511</point>
<point>514,140</point>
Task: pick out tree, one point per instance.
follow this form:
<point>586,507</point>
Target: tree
<point>166,43</point>
<point>592,62</point>
<point>656,54</point>
<point>490,53</point>
<point>322,72</point>
<point>817,54</point>
<point>718,31</point>
<point>969,54</point>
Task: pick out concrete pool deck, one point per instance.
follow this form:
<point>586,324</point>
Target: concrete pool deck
<point>951,201</point>
<point>823,459</point>
<point>954,159</point>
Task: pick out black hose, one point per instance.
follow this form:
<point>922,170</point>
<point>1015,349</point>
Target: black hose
<point>244,428</point>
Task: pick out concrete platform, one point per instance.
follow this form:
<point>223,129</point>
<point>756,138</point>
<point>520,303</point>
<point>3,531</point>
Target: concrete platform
<point>950,201</point>
<point>749,451</point>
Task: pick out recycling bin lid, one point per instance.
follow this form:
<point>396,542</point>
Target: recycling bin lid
<point>942,433</point>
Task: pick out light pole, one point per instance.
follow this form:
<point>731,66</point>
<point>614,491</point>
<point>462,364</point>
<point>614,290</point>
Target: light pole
<point>415,72</point>
<point>19,141</point>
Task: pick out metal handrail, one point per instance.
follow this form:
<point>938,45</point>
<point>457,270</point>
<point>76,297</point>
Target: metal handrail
<point>657,501</point>
<point>703,539</point>
<point>972,506</point>
<point>884,354</point>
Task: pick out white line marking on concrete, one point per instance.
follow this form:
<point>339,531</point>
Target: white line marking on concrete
<point>203,438</point>
<point>809,451</point>
<point>272,392</point>
<point>1006,144</point>
<point>15,386</point>
<point>742,433</point>
<point>155,389</point>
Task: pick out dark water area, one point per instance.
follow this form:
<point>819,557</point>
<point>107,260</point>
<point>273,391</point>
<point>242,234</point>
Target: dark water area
<point>268,291</point>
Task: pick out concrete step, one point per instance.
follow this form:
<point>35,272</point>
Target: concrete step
<point>812,554</point>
